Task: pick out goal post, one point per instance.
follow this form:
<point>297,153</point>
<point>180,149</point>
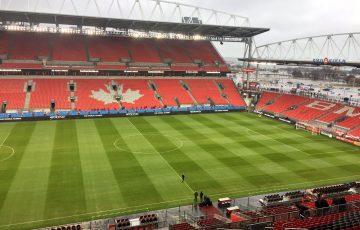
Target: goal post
<point>308,127</point>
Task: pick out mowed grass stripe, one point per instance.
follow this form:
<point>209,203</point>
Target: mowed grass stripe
<point>101,188</point>
<point>256,171</point>
<point>217,171</point>
<point>134,184</point>
<point>285,155</point>
<point>197,178</point>
<point>323,142</point>
<point>65,193</point>
<point>309,170</point>
<point>18,139</point>
<point>165,179</point>
<point>218,151</point>
<point>30,182</point>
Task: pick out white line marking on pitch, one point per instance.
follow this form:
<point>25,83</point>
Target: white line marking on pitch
<point>166,162</point>
<point>7,136</point>
<point>9,147</point>
<point>127,209</point>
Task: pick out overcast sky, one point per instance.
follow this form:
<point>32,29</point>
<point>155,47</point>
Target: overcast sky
<point>289,19</point>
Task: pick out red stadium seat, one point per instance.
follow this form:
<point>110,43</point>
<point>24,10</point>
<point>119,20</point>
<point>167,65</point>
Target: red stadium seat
<point>284,102</point>
<point>265,98</point>
<point>13,91</point>
<point>29,46</point>
<point>69,48</point>
<point>171,88</point>
<point>311,110</point>
<point>108,49</point>
<point>202,89</point>
<point>46,90</point>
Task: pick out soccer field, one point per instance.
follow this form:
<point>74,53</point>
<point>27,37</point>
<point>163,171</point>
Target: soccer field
<point>55,172</point>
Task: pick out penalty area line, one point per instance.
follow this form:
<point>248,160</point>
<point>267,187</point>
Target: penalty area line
<point>3,142</point>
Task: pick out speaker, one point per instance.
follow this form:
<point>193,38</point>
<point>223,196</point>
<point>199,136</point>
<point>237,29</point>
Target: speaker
<point>28,89</point>
<point>72,87</point>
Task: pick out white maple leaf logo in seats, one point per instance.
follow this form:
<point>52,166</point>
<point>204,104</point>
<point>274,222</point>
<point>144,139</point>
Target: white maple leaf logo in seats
<point>108,96</point>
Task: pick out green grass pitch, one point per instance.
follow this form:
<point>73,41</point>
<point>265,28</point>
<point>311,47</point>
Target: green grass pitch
<point>56,172</point>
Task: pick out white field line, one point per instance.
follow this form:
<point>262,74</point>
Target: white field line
<point>117,210</point>
<point>7,136</point>
<point>9,147</point>
<point>136,208</point>
<point>166,162</point>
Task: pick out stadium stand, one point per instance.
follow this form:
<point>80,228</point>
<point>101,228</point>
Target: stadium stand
<point>204,51</point>
<point>266,99</point>
<point>145,98</point>
<point>84,92</point>
<point>144,51</point>
<point>4,43</point>
<point>231,92</point>
<point>310,110</point>
<point>338,114</point>
<point>169,89</point>
<point>25,47</point>
<point>108,49</point>
<point>355,132</point>
<point>21,65</point>
<point>182,226</point>
<point>284,102</point>
<point>204,96</point>
<point>349,123</point>
<point>332,221</point>
<point>69,48</point>
<point>97,94</point>
<point>13,92</point>
<point>45,90</point>
<point>174,51</point>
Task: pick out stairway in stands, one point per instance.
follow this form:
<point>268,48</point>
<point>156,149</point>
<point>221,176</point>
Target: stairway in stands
<point>153,87</point>
<point>186,87</point>
<point>220,87</point>
<point>28,96</point>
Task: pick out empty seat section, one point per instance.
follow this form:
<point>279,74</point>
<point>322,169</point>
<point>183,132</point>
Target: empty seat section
<point>69,48</point>
<point>232,93</point>
<point>203,89</point>
<point>350,122</point>
<point>29,46</point>
<point>265,98</point>
<point>137,94</point>
<point>4,43</point>
<point>355,132</point>
<point>93,94</point>
<point>171,88</point>
<point>333,116</point>
<point>174,50</point>
<point>311,110</point>
<point>15,65</point>
<point>48,89</point>
<point>108,49</point>
<point>12,91</point>
<point>144,50</point>
<point>203,50</point>
<point>284,102</point>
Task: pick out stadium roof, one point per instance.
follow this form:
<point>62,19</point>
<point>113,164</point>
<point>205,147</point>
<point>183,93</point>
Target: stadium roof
<point>130,24</point>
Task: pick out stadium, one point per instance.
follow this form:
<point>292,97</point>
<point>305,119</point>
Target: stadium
<point>126,116</point>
